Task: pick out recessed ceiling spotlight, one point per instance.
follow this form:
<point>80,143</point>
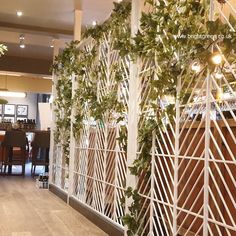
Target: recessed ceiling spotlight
<point>19,13</point>
<point>94,23</point>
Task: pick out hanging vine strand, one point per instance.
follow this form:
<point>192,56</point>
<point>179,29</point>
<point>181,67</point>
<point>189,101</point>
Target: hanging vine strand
<point>171,38</point>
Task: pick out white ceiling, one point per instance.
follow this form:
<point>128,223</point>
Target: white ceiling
<point>44,20</point>
<point>56,14</point>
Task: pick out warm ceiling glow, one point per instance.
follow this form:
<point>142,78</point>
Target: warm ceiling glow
<point>12,94</point>
<point>19,13</point>
<point>217,59</point>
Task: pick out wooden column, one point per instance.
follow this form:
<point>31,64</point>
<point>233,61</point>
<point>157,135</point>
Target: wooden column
<point>77,24</point>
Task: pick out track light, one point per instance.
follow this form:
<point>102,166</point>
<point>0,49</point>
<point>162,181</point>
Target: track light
<point>52,44</point>
<point>22,41</point>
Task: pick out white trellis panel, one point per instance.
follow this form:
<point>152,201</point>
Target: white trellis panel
<point>191,189</point>
<point>99,174</point>
<point>192,186</point>
<point>60,172</point>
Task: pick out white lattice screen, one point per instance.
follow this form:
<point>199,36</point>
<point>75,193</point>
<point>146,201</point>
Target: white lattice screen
<point>99,173</point>
<point>192,186</point>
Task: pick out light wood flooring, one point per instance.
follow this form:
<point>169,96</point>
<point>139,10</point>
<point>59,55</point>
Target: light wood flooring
<point>28,211</point>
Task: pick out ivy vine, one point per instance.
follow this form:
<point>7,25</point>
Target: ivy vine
<point>168,40</point>
<point>169,36</point>
<point>3,49</point>
<point>63,69</point>
<point>91,69</point>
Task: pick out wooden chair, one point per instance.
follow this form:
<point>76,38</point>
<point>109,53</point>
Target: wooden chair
<point>14,150</point>
<point>40,150</point>
<point>1,152</point>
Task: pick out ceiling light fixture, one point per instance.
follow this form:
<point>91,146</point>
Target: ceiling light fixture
<point>19,13</point>
<point>52,44</point>
<point>94,23</point>
<point>12,94</point>
<point>22,39</point>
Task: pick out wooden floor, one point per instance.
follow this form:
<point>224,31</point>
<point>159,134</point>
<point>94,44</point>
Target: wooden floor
<point>28,211</point>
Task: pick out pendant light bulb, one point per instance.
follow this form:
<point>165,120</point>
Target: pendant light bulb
<point>196,67</point>
<point>217,59</point>
<point>218,75</point>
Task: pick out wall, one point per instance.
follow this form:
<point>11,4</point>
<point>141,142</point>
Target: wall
<point>45,117</point>
<point>25,84</point>
<point>25,65</point>
<point>30,100</point>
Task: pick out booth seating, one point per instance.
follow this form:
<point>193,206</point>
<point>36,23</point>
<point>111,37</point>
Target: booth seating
<point>40,150</point>
<point>14,150</point>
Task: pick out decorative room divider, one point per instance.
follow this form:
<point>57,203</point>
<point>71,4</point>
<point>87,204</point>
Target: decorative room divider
<point>153,119</point>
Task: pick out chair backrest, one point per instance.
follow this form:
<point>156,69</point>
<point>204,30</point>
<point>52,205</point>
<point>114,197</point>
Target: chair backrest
<point>41,139</point>
<point>15,139</point>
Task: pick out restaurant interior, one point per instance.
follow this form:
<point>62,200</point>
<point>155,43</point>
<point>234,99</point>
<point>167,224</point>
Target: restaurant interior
<point>118,117</point>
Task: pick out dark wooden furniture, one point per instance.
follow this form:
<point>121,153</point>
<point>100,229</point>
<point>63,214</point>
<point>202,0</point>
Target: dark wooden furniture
<point>14,150</point>
<point>40,150</point>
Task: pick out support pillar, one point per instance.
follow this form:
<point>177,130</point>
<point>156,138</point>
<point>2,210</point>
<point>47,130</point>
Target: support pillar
<point>77,36</point>
<point>133,105</point>
<point>56,48</point>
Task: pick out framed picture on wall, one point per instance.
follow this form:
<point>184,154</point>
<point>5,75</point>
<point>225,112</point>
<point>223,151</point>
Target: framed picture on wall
<point>9,118</point>
<point>22,110</point>
<point>9,110</point>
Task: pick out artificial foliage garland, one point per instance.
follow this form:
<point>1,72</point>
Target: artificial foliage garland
<point>91,69</point>
<point>3,49</point>
<point>74,61</point>
<point>63,69</point>
<point>167,35</point>
<point>174,24</point>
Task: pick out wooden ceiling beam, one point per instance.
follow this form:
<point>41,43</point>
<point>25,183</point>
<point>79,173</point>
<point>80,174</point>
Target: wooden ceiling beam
<point>35,30</point>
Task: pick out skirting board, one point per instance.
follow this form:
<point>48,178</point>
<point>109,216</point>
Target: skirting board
<point>58,192</point>
<point>95,218</point>
<point>98,220</point>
